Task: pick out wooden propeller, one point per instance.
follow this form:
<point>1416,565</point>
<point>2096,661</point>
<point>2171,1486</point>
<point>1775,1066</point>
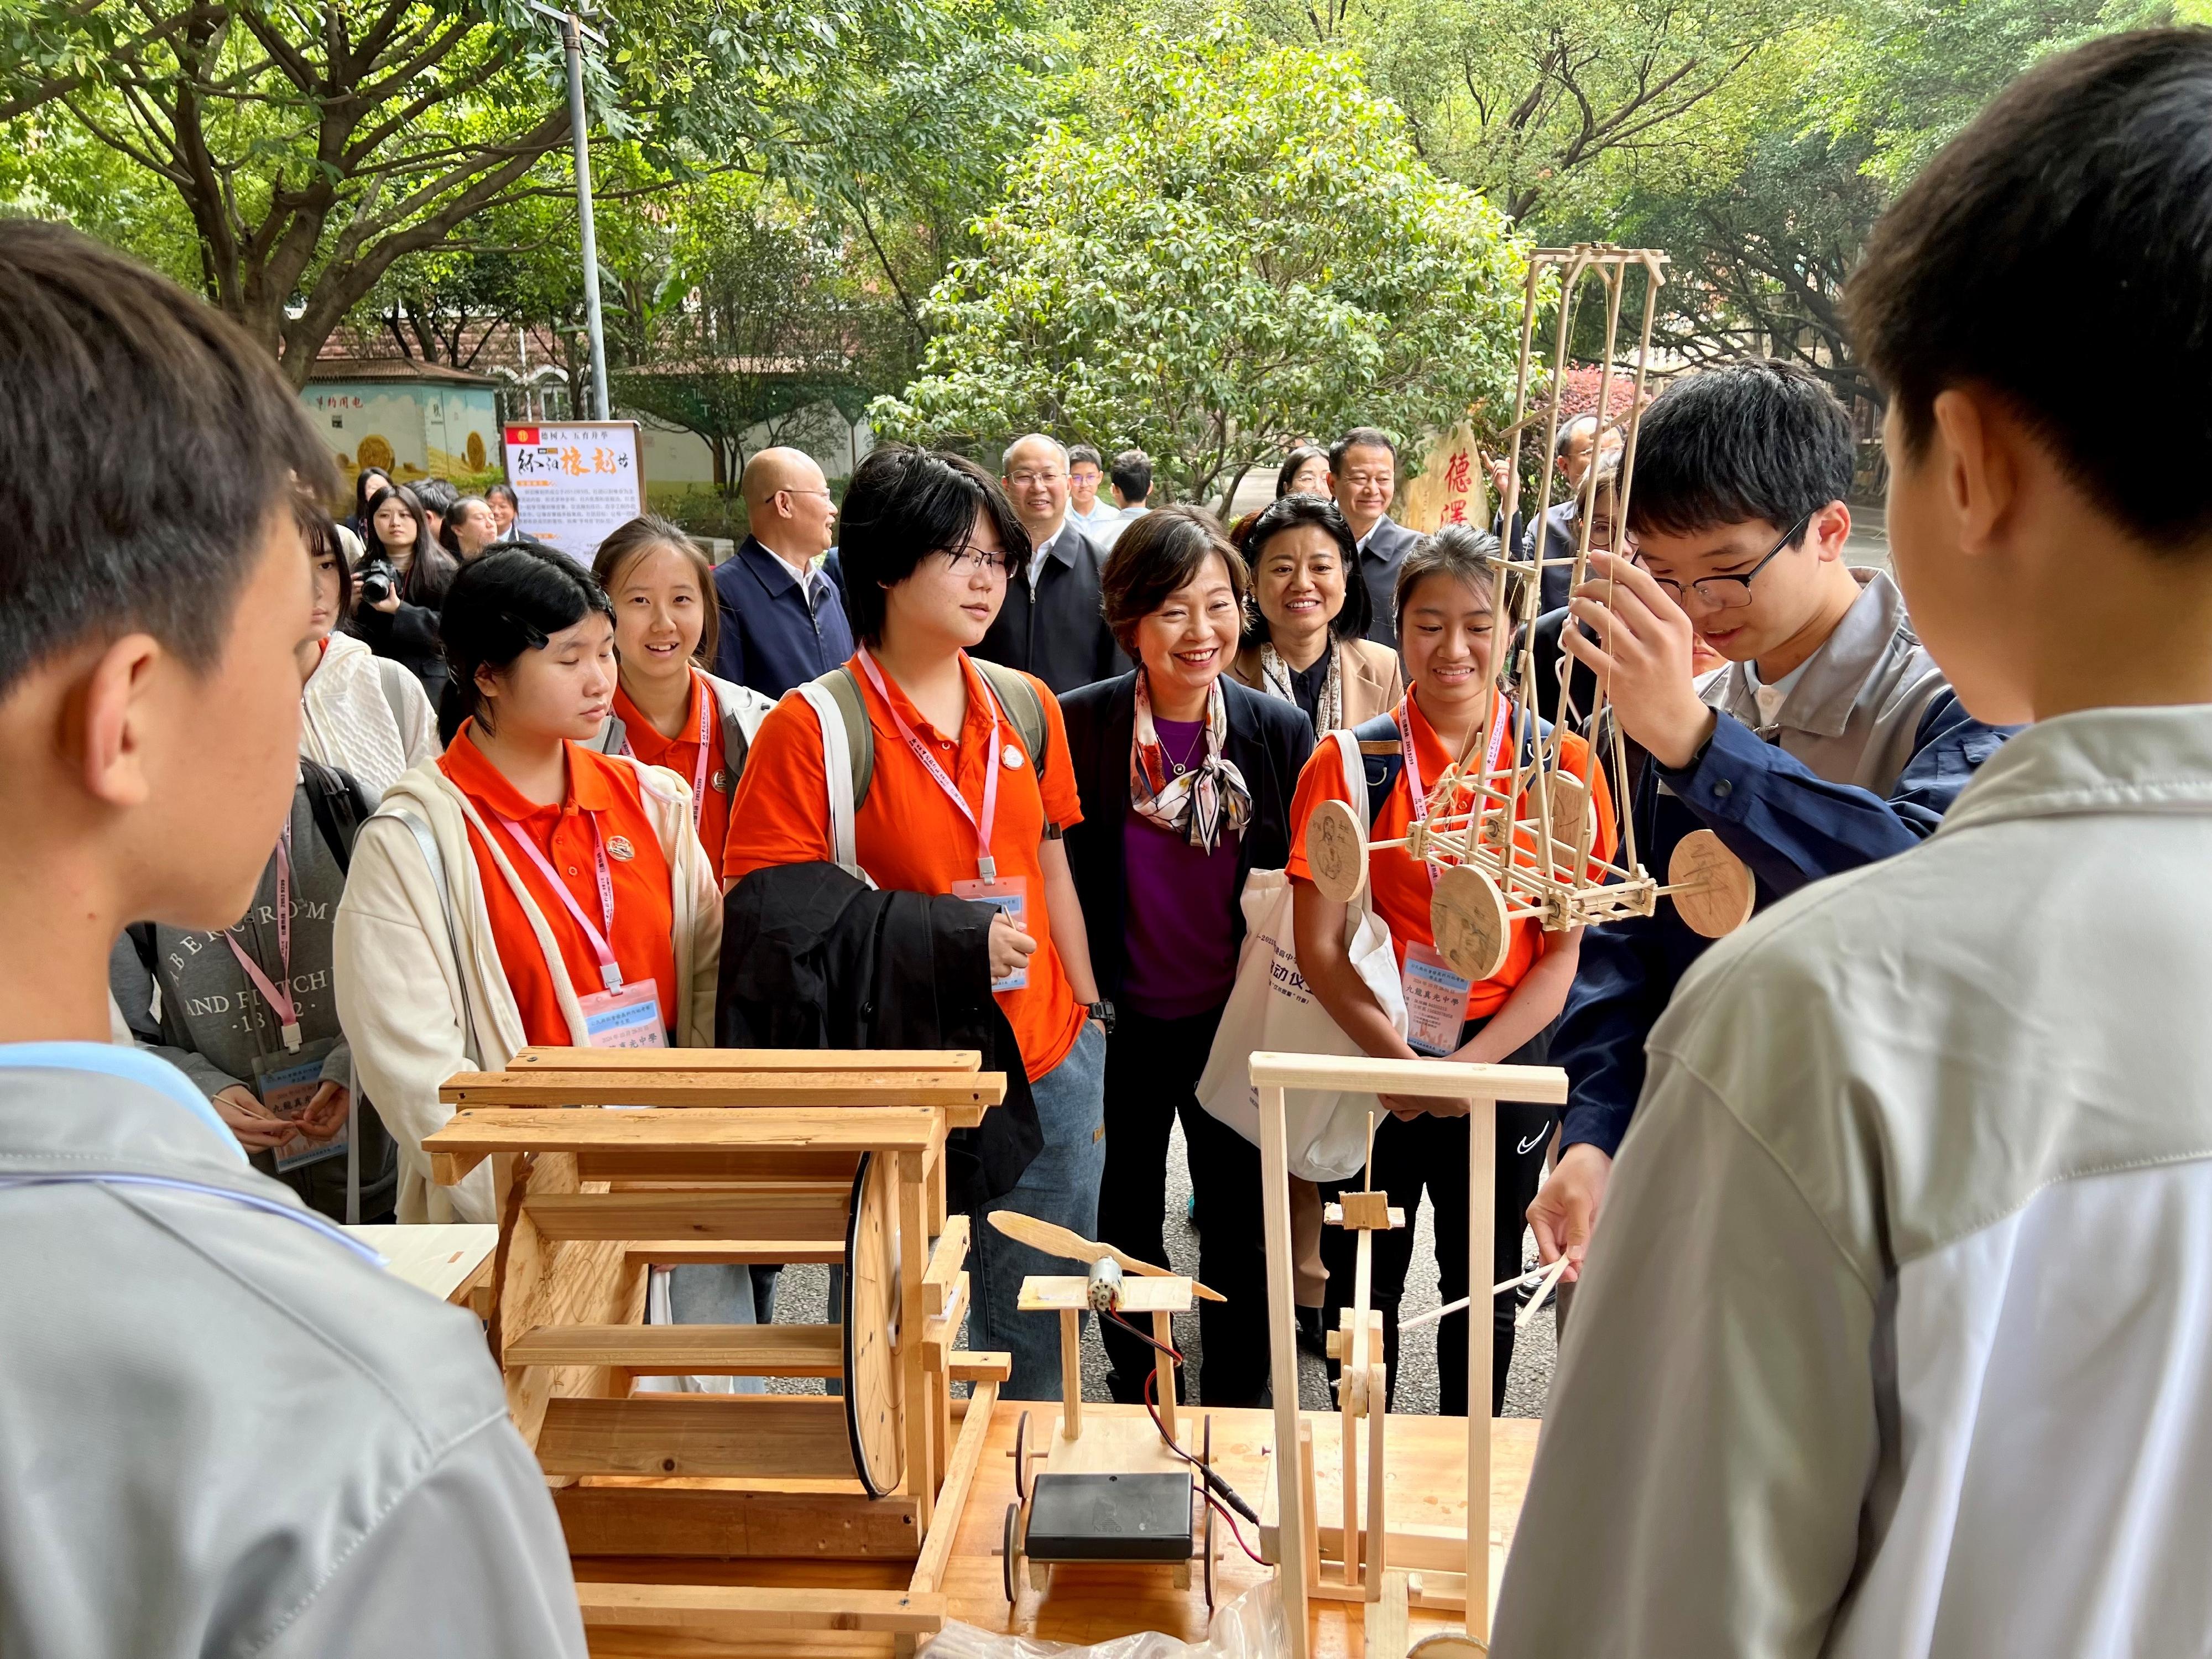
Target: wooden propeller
<point>1055,1240</point>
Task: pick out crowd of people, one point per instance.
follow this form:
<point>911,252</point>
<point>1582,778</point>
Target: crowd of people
<point>1886,1218</point>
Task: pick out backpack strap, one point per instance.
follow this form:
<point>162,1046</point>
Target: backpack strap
<point>338,807</point>
<point>1023,708</point>
<point>1383,759</point>
<point>843,689</point>
<point>838,766</point>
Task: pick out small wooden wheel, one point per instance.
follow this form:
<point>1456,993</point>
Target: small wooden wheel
<point>1021,1457</point>
<point>1012,1554</point>
<point>1573,811</point>
<point>1719,891</point>
<point>1336,851</point>
<point>873,1415</point>
<point>1468,916</point>
<point>1449,1644</point>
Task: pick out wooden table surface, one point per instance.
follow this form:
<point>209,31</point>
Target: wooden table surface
<point>1427,1479</point>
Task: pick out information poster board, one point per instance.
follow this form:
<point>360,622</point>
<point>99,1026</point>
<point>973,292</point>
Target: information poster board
<point>575,484</point>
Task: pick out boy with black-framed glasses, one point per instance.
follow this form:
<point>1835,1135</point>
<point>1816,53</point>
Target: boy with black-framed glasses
<point>1831,739</point>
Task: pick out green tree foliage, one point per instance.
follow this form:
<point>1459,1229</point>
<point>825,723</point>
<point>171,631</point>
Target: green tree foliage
<point>1229,248</point>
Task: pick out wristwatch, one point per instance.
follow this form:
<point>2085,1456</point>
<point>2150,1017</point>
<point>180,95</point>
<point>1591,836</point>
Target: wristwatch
<point>1103,1013</point>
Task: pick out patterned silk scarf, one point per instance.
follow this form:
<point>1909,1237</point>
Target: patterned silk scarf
<point>1197,801</point>
<point>1328,708</point>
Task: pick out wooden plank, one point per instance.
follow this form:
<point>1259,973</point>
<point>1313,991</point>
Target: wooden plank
<point>963,1366</point>
<point>1282,1354</point>
<point>688,1349</point>
<point>1051,1293</point>
<point>1388,1631</point>
<point>1481,1205</point>
<point>768,1252</point>
<point>735,1610</point>
<point>729,1090</point>
<point>750,1436</point>
<point>952,1496</point>
<point>471,1136</point>
<point>942,1328</point>
<point>1433,1080</point>
<point>947,1259</point>
<point>694,1166</point>
<point>702,1519</point>
<point>707,1214</point>
<point>746,1059</point>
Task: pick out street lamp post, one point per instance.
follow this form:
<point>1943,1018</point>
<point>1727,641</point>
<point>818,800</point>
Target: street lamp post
<point>574,32</point>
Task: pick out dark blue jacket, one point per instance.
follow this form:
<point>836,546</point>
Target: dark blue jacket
<point>770,642</point>
<point>1872,705</point>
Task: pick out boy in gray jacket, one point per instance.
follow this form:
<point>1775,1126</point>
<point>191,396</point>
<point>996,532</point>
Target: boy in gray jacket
<point>222,1430</point>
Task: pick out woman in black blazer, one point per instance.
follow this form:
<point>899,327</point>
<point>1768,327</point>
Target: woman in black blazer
<point>1187,779</point>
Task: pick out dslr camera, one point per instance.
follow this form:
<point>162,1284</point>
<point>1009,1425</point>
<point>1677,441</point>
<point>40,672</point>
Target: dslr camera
<point>377,580</point>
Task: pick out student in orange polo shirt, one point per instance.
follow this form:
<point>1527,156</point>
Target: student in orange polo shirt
<point>668,711</point>
<point>1450,640</point>
<point>927,545</point>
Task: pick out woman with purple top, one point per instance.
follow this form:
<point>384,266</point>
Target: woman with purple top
<point>1187,779</point>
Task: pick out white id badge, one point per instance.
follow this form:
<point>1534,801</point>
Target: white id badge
<point>1436,1001</point>
<point>1011,895</point>
<point>285,1082</point>
<point>628,1019</point>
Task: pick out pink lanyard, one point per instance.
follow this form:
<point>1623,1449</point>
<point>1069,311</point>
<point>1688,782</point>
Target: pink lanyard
<point>288,1013</point>
<point>609,970</point>
<point>699,770</point>
<point>985,865</point>
<point>1500,718</point>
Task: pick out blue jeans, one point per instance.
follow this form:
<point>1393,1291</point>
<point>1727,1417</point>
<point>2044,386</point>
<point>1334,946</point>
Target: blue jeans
<point>724,1293</point>
<point>1060,1186</point>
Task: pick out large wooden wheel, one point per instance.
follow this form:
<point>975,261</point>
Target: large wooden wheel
<point>1468,916</point>
<point>1336,851</point>
<point>870,1313</point>
<point>1718,892</point>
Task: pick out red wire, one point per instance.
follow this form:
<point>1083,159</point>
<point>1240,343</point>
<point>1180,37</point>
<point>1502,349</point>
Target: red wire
<point>1205,1491</point>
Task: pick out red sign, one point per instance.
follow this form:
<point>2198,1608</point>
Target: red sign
<point>522,434</point>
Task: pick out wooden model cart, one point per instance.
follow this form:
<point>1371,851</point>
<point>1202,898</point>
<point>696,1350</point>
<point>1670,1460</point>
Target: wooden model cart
<point>1361,1559</point>
<point>768,1518</point>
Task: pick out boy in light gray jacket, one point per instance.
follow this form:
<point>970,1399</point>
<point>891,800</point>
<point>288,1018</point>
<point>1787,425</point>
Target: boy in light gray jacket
<point>222,1430</point>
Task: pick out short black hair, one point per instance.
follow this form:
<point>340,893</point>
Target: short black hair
<point>1287,513</point>
<point>1360,437</point>
<point>1751,441</point>
<point>507,490</point>
<point>436,495</point>
<point>1161,552</point>
<point>1297,458</point>
<point>430,568</point>
<point>512,601</point>
<point>363,489</point>
<point>1468,556</point>
<point>903,505</point>
<point>1083,452</point>
<point>2083,190</point>
<point>1132,474</point>
<point>148,442</point>
<point>321,537</point>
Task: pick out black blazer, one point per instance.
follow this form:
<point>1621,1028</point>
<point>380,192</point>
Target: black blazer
<point>1269,741</point>
<point>1060,636</point>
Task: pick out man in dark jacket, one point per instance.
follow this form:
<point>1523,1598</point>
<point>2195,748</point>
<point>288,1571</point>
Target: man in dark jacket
<point>1363,475</point>
<point>1051,625</point>
<point>783,623</point>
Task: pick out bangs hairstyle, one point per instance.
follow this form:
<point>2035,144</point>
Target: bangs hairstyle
<point>512,601</point>
<point>430,571</point>
<point>1728,446</point>
<point>151,446</point>
<point>322,539</point>
<point>647,533</point>
<point>2088,180</point>
<point>1466,555</point>
<point>1157,555</point>
<point>1287,513</point>
<point>903,505</point>
<point>1298,459</point>
<point>363,488</point>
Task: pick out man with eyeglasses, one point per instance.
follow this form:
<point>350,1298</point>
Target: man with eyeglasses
<point>1051,624</point>
<point>1831,739</point>
<point>783,623</point>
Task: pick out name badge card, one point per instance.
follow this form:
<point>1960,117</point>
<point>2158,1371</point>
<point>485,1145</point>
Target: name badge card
<point>1011,895</point>
<point>627,1018</point>
<point>285,1083</point>
<point>1436,1001</point>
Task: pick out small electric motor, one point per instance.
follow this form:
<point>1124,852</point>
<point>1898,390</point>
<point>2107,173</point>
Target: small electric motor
<point>1105,1294</point>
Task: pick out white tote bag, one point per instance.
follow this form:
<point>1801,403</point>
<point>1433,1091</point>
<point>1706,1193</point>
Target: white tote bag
<point>1272,1010</point>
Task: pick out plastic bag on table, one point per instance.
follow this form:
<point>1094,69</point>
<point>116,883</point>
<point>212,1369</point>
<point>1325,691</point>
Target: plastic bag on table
<point>1250,1627</point>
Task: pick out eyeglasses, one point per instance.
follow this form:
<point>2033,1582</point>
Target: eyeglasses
<point>1023,480</point>
<point>1729,592</point>
<point>967,561</point>
<point>825,494</point>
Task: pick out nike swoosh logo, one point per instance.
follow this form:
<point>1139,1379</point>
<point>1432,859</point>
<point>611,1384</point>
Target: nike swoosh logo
<point>1532,1143</point>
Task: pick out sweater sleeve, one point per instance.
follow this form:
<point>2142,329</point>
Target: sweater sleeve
<point>1712,1430</point>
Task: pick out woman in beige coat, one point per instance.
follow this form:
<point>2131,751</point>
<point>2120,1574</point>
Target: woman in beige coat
<point>1304,647</point>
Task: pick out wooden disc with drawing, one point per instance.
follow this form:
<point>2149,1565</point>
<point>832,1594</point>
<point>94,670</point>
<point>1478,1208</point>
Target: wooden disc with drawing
<point>1571,809</point>
<point>1336,851</point>
<point>1468,916</point>
<point>1718,889</point>
<point>870,1313</point>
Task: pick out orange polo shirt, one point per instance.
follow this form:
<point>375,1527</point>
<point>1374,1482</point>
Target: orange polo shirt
<point>680,755</point>
<point>910,837</point>
<point>1400,883</point>
<point>645,917</point>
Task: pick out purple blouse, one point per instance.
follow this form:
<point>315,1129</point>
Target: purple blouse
<point>1179,920</point>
